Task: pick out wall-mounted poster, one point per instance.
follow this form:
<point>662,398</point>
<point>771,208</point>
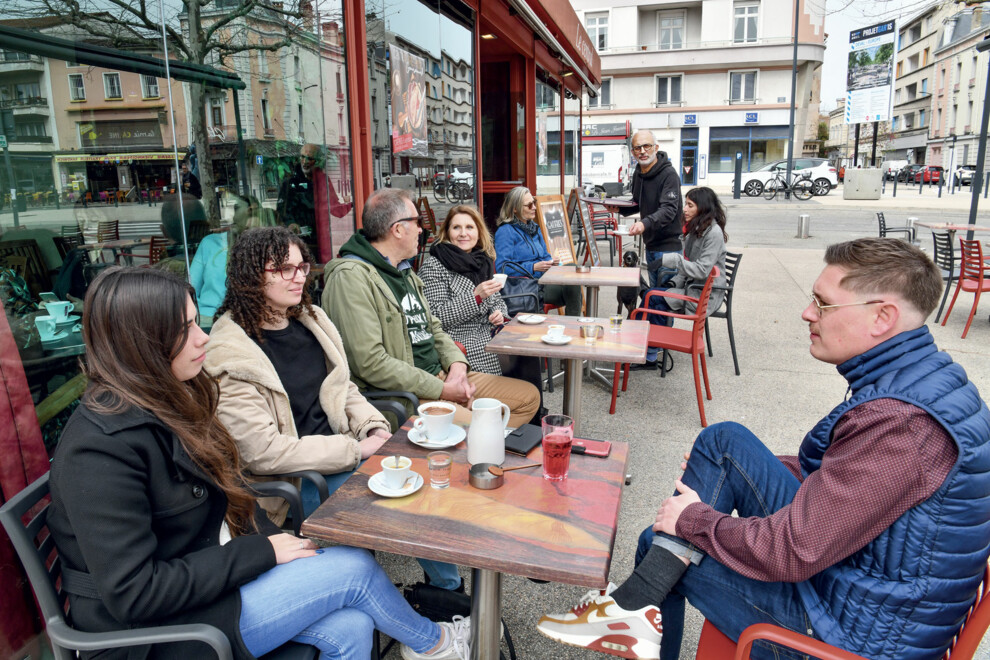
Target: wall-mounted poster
<point>576,209</point>
<point>552,216</point>
<point>408,103</point>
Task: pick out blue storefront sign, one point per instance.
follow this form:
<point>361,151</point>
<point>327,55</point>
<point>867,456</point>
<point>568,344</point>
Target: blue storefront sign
<point>752,118</point>
<point>690,120</point>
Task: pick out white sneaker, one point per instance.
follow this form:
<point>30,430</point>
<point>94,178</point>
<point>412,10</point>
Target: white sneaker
<point>458,631</point>
<point>598,623</point>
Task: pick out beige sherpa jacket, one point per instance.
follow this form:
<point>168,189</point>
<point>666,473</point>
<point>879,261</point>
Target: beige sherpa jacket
<point>255,407</point>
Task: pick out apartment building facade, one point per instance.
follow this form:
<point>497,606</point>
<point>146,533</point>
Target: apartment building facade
<point>710,77</point>
<point>960,79</point>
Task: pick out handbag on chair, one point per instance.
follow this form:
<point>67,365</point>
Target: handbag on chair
<point>519,290</point>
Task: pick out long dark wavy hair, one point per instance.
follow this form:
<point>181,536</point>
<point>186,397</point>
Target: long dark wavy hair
<point>246,276</point>
<point>134,324</point>
<point>709,209</point>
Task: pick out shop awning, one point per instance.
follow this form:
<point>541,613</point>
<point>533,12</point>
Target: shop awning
<point>560,20</point>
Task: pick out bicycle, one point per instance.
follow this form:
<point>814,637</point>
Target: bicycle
<point>802,187</point>
<point>440,188</point>
<point>460,191</point>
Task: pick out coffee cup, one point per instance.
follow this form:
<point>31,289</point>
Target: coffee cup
<point>396,470</point>
<point>46,327</point>
<point>435,420</point>
<point>59,310</point>
<point>555,331</point>
<point>500,278</point>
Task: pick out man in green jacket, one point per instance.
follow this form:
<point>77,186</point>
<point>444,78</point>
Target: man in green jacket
<point>392,340</point>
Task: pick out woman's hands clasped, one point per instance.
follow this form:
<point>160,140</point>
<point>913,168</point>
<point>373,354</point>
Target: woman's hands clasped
<point>288,547</point>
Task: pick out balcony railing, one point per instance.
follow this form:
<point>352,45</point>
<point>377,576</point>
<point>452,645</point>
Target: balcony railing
<point>23,103</point>
<point>695,45</point>
<point>29,139</point>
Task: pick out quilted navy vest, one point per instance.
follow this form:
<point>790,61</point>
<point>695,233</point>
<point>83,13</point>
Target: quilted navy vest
<point>905,594</point>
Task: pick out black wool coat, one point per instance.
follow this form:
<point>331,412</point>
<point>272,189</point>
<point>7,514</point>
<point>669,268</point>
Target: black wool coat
<point>141,521</point>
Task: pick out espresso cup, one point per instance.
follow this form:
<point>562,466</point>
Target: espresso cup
<point>46,327</point>
<point>396,470</point>
<point>500,278</point>
<point>59,310</point>
<point>436,418</point>
<point>555,331</point>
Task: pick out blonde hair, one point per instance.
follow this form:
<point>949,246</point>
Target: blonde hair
<point>512,205</point>
<point>484,236</point>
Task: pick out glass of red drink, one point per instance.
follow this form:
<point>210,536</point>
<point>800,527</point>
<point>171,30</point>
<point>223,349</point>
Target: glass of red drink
<point>558,434</point>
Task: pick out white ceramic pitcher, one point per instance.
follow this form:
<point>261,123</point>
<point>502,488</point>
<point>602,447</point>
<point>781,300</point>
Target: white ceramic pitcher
<point>486,436</point>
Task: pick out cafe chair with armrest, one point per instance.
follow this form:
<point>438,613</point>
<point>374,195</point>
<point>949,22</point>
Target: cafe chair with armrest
<point>972,278</point>
<point>676,339</point>
<point>725,312</point>
<point>35,547</point>
<point>885,230</point>
<point>947,261</point>
<point>398,404</point>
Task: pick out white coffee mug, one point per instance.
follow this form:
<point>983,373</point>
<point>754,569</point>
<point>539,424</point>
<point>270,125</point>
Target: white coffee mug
<point>59,310</point>
<point>500,278</point>
<point>396,470</point>
<point>555,331</point>
<point>46,327</point>
<point>433,425</point>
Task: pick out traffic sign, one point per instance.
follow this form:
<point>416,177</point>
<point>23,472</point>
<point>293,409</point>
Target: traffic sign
<point>259,160</point>
<point>3,141</point>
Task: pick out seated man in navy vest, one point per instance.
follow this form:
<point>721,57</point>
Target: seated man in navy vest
<point>873,538</point>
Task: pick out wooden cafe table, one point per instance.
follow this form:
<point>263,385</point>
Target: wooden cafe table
<point>952,228</point>
<point>598,276</point>
<point>561,531</point>
<point>626,345</point>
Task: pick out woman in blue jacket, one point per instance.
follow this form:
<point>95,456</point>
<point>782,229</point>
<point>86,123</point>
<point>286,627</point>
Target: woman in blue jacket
<point>518,240</point>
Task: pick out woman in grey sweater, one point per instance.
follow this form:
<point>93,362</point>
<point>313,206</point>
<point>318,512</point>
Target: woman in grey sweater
<point>703,236</point>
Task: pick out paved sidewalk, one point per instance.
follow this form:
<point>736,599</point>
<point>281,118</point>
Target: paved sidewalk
<point>780,395</point>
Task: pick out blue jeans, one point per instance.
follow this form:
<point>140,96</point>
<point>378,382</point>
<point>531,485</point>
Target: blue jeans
<point>333,601</point>
<point>731,469</point>
<point>441,574</point>
<point>658,303</point>
<point>661,275</point>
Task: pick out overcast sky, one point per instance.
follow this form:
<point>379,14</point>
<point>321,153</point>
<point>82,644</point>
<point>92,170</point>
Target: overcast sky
<point>844,16</point>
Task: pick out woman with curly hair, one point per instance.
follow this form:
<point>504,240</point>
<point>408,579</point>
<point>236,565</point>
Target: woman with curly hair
<point>152,519</point>
<point>286,394</point>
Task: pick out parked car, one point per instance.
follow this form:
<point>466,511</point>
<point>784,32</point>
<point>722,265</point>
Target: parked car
<point>928,174</point>
<point>823,175</point>
<point>964,175</point>
<point>892,167</point>
<point>907,172</point>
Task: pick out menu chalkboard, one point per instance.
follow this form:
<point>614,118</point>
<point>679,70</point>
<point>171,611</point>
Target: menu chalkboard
<point>553,221</point>
<point>577,208</point>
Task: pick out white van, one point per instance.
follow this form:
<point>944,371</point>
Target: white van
<point>606,163</point>
<point>892,167</point>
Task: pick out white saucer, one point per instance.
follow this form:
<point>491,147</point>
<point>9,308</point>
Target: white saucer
<point>587,319</point>
<point>623,232</point>
<point>456,435</point>
<point>377,485</point>
<point>67,323</point>
<point>531,319</point>
<point>556,341</point>
<point>57,336</point>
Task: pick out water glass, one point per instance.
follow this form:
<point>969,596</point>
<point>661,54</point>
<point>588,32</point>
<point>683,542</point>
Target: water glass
<point>440,464</point>
<point>558,434</point>
<point>615,322</point>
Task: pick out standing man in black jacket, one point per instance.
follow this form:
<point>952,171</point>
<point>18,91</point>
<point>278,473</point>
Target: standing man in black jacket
<point>656,189</point>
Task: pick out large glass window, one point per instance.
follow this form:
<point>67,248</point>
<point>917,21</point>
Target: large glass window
<point>744,21</point>
<point>759,145</point>
<point>670,29</point>
<point>597,26</point>
<point>111,86</point>
<point>742,87</point>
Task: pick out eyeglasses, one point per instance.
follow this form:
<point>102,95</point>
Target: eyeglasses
<point>821,308</point>
<point>414,218</point>
<point>642,147</point>
<point>308,159</point>
<point>531,205</point>
<point>288,271</point>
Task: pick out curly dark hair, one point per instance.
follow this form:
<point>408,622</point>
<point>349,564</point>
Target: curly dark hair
<point>251,254</point>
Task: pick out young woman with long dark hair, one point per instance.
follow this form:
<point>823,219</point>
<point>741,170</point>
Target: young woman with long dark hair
<point>703,236</point>
<point>145,484</point>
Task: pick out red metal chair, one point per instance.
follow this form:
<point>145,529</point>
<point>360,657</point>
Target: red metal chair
<point>972,271</point>
<point>675,339</point>
<point>713,645</point>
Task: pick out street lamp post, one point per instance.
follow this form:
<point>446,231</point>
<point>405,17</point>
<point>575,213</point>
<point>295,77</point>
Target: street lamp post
<point>981,155</point>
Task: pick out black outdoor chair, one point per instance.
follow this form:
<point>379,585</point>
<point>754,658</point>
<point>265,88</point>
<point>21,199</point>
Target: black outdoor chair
<point>35,547</point>
<point>884,229</point>
<point>945,259</point>
<point>725,311</point>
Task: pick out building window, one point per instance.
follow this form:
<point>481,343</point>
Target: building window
<point>921,119</point>
<point>30,129</point>
<point>745,17</point>
<point>670,30</point>
<point>924,85</point>
<point>299,114</point>
<point>893,124</point>
<point>604,98</point>
<point>263,63</point>
<point>266,117</point>
<point>759,145</point>
<point>216,111</point>
<point>597,26</point>
<point>546,96</point>
<point>149,87</point>
<point>742,87</point>
<point>77,88</point>
<point>669,90</point>
<point>111,86</point>
<point>297,72</point>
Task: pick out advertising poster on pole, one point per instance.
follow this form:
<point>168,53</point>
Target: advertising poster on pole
<point>870,73</point>
<point>408,103</point>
